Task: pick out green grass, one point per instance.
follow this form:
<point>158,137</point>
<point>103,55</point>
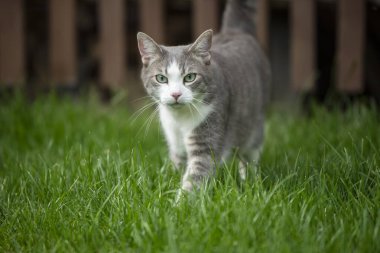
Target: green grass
<point>81,177</point>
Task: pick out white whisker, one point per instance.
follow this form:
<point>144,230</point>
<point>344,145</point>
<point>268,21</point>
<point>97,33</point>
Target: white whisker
<point>140,111</point>
<point>150,120</point>
<point>200,114</point>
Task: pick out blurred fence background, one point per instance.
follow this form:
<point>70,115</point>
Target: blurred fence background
<point>314,46</point>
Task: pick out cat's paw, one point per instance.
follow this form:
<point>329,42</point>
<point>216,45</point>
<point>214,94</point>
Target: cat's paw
<point>185,189</point>
<point>179,197</point>
<point>187,186</point>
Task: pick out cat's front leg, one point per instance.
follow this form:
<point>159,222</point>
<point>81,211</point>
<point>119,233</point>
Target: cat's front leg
<point>178,158</point>
<point>177,152</point>
<point>174,139</point>
<point>200,163</point>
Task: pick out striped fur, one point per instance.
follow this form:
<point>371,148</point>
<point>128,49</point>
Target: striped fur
<point>223,107</point>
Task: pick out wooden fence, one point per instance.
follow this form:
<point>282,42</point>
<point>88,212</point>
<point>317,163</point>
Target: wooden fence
<point>63,62</point>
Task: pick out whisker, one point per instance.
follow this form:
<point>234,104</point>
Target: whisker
<point>201,93</point>
<point>142,98</point>
<point>205,120</point>
<point>200,114</point>
<point>200,101</point>
<point>140,111</point>
<point>191,110</point>
<point>150,120</point>
<point>144,124</point>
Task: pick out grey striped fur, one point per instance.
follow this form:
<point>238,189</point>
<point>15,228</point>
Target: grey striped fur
<point>225,104</point>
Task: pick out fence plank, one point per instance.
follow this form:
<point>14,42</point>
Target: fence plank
<point>12,58</point>
<point>262,21</point>
<point>63,60</point>
<point>350,45</point>
<point>113,43</point>
<point>205,16</point>
<point>303,47</point>
<point>152,19</point>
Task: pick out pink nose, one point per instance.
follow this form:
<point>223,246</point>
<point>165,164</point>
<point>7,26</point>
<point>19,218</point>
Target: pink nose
<point>176,95</point>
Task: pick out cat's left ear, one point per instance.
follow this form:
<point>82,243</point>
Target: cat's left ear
<point>201,47</point>
<point>149,49</point>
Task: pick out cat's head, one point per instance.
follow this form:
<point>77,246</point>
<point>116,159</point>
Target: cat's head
<point>177,75</point>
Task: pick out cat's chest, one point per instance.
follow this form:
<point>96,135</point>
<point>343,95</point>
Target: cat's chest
<point>183,120</point>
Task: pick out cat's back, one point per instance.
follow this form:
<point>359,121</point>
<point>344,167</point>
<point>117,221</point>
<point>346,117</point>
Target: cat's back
<point>242,62</point>
<point>244,69</point>
<point>234,43</point>
<point>238,50</point>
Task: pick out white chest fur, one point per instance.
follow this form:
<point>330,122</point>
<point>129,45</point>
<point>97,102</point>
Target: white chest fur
<point>179,122</point>
<point>184,119</point>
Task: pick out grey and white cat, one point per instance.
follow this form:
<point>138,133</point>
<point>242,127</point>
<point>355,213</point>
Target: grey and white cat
<point>211,94</point>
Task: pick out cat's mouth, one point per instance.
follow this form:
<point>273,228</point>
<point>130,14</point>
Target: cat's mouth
<point>176,105</point>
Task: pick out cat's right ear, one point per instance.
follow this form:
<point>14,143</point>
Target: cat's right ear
<point>149,49</point>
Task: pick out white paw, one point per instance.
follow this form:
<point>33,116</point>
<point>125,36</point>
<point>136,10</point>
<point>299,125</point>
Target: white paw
<point>187,186</point>
<point>242,171</point>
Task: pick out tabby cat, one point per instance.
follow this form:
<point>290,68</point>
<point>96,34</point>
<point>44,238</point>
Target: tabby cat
<point>211,94</point>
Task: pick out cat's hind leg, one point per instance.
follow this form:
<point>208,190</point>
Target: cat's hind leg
<point>247,158</point>
<point>243,169</point>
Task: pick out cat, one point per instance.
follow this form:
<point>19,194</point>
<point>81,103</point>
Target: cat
<point>211,94</point>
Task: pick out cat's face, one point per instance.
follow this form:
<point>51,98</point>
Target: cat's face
<point>176,76</point>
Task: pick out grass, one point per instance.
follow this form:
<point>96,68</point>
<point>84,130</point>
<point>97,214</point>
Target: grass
<point>81,177</point>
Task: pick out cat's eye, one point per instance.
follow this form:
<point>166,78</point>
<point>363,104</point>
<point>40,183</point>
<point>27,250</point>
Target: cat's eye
<point>189,78</point>
<point>161,78</point>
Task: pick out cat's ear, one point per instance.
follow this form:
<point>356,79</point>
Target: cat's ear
<point>201,47</point>
<point>149,49</point>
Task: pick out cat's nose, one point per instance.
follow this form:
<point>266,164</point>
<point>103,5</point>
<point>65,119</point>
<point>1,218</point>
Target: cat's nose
<point>176,95</point>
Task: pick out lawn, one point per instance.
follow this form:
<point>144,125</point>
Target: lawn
<point>79,176</point>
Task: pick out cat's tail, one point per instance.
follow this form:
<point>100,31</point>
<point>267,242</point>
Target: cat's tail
<point>239,15</point>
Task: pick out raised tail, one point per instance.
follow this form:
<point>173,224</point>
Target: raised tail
<point>239,15</point>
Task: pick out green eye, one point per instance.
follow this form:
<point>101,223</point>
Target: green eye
<point>161,79</point>
<point>189,78</point>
